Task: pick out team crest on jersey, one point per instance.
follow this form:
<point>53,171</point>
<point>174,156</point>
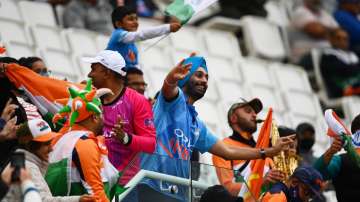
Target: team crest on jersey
<point>356,139</point>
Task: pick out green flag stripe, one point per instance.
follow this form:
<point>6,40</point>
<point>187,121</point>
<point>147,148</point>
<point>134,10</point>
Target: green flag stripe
<point>180,10</point>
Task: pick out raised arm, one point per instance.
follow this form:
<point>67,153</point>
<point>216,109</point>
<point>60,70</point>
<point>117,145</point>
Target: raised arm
<point>169,88</point>
<point>149,33</point>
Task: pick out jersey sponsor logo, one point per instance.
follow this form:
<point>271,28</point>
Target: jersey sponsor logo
<point>356,139</point>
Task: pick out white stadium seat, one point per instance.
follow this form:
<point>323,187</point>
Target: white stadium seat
<point>303,104</point>
<point>208,112</point>
<point>230,92</point>
<point>256,72</point>
<point>155,57</point>
<point>14,31</point>
<point>290,77</point>
<point>277,13</point>
<point>187,40</point>
<point>220,43</point>
<point>81,42</point>
<point>10,11</point>
<point>156,79</point>
<point>47,37</point>
<point>263,38</point>
<point>223,69</point>
<point>102,41</point>
<point>18,50</point>
<point>61,65</point>
<point>37,13</point>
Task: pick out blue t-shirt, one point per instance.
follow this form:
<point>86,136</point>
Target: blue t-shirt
<point>127,50</point>
<point>179,131</point>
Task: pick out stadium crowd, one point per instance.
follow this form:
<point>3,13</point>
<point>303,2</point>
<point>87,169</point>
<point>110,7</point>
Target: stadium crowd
<point>85,141</point>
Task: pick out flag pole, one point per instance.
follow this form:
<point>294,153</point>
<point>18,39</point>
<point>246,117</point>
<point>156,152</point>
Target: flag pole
<point>156,42</point>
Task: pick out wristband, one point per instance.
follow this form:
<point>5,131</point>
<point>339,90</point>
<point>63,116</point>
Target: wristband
<point>262,153</point>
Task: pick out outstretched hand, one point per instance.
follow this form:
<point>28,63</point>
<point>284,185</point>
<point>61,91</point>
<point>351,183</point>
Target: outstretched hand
<point>336,145</point>
<point>179,72</point>
<point>283,144</point>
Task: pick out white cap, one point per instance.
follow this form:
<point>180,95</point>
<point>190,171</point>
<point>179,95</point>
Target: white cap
<point>110,59</point>
<point>40,130</point>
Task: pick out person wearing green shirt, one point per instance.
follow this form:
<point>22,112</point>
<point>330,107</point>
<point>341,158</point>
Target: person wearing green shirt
<point>342,169</point>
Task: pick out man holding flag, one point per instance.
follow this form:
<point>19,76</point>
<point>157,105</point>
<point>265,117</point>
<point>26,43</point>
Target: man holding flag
<point>243,122</point>
<point>344,169</point>
<point>180,130</point>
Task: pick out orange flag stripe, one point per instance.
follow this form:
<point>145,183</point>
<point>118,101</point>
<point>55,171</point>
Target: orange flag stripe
<point>38,85</point>
<point>257,166</point>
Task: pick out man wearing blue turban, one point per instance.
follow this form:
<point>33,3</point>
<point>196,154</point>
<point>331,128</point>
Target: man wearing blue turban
<point>180,131</point>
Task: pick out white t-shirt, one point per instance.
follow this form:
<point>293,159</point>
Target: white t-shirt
<point>303,16</point>
<point>301,42</point>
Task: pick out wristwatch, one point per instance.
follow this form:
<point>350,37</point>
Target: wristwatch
<point>262,153</point>
<point>126,138</point>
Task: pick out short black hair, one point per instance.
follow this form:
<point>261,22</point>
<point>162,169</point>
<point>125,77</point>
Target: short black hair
<point>8,60</point>
<point>120,12</point>
<point>218,193</point>
<point>302,127</point>
<point>355,124</point>
<point>285,131</point>
<point>29,61</point>
<point>134,70</point>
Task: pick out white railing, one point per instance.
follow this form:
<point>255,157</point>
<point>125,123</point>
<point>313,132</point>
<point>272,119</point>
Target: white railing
<point>159,176</point>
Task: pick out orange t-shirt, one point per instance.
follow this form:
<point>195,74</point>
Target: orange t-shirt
<point>225,168</point>
<point>276,197</point>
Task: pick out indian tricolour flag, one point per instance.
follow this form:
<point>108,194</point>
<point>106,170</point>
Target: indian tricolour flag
<point>185,9</point>
<point>254,173</point>
<point>42,91</point>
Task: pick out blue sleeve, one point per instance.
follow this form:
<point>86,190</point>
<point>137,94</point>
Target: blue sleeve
<point>350,23</point>
<point>116,37</point>
<point>178,104</point>
<point>206,138</point>
<point>332,170</point>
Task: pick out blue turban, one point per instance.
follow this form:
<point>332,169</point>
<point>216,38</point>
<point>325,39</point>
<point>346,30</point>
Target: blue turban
<point>196,63</point>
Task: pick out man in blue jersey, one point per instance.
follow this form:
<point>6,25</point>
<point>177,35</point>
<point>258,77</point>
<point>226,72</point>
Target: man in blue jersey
<point>180,130</point>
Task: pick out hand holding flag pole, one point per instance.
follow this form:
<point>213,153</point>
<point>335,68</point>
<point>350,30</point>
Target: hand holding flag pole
<point>337,128</point>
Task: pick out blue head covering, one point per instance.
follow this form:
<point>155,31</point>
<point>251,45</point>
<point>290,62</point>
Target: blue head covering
<point>196,63</point>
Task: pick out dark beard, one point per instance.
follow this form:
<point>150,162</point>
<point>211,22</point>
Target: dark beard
<point>246,126</point>
<point>191,91</point>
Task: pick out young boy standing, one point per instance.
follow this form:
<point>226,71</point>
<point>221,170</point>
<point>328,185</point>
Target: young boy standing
<point>123,38</point>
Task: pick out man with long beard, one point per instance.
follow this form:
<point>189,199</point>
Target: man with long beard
<point>242,120</point>
<point>180,130</point>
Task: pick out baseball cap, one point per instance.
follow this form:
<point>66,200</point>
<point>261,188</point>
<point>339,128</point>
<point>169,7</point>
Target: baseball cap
<point>218,193</point>
<point>310,177</point>
<point>255,103</point>
<point>40,130</point>
<point>110,59</point>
